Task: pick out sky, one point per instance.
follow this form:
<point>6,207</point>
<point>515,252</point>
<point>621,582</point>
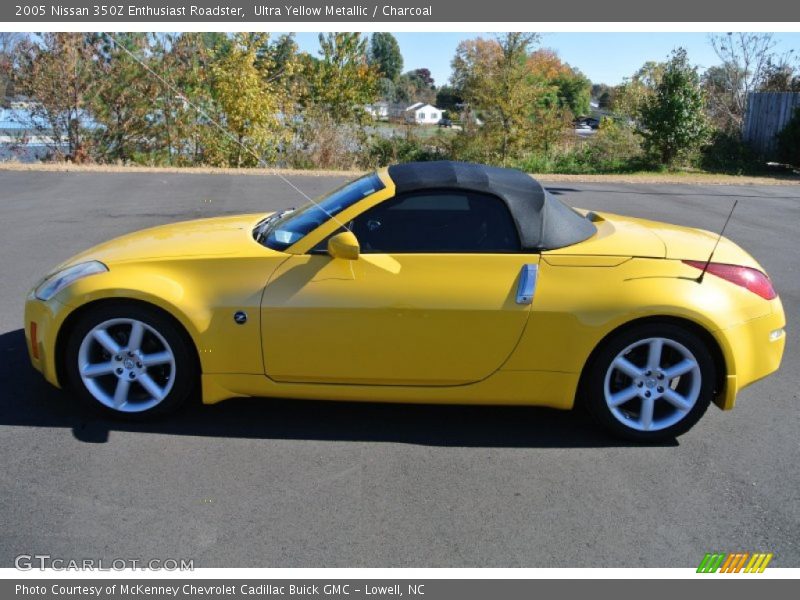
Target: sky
<point>602,57</point>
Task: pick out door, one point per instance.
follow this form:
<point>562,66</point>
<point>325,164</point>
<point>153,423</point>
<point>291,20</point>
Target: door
<point>439,296</point>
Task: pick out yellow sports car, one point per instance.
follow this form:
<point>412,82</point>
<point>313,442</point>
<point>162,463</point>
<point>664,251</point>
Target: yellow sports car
<point>434,282</point>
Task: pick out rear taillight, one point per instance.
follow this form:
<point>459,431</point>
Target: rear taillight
<point>752,279</point>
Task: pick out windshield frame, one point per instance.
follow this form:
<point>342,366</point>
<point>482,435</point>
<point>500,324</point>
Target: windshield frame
<point>319,213</point>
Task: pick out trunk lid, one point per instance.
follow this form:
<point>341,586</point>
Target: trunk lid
<point>618,235</point>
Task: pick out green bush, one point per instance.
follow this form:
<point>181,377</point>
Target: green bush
<point>673,124</point>
<point>384,151</point>
<point>728,153</point>
<point>789,141</point>
<point>470,146</point>
<point>615,148</point>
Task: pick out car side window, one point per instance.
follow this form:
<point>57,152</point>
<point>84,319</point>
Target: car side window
<point>442,221</point>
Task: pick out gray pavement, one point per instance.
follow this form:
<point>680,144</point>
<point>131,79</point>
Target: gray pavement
<point>274,483</point>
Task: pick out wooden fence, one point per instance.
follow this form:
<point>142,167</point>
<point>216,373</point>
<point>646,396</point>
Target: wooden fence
<point>767,114</point>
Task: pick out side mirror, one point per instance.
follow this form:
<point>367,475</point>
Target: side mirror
<point>344,245</point>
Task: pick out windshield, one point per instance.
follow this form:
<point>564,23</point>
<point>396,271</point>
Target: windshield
<point>281,230</point>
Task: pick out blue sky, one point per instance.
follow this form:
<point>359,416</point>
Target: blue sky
<point>603,57</point>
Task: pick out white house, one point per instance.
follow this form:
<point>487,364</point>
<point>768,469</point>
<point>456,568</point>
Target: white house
<point>419,112</point>
<point>378,111</point>
<point>423,114</point>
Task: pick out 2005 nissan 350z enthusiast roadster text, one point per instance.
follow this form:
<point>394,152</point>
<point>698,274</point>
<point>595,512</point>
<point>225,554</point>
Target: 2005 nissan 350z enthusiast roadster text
<point>435,282</point>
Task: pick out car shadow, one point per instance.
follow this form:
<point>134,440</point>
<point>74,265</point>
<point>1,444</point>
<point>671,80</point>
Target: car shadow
<point>26,400</point>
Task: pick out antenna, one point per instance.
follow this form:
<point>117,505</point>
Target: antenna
<point>719,237</point>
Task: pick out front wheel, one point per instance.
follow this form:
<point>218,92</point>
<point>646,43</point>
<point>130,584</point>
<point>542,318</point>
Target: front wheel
<point>129,361</point>
<point>650,383</point>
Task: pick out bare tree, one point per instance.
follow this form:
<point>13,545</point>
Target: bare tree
<point>8,42</point>
<point>781,77</point>
<point>57,74</point>
<point>746,61</point>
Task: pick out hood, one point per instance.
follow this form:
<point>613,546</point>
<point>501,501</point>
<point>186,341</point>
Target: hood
<point>619,235</point>
<point>217,236</point>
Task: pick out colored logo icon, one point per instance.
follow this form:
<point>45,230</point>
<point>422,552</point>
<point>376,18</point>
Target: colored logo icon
<point>736,562</point>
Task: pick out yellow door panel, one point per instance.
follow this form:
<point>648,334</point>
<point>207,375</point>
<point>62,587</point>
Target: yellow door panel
<point>403,319</point>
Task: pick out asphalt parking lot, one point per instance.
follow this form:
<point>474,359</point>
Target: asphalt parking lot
<point>273,483</point>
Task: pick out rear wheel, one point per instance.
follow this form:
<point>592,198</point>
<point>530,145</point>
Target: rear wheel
<point>651,382</point>
<point>129,361</point>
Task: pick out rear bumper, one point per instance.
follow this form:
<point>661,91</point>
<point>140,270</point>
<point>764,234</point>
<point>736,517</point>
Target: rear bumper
<point>752,350</point>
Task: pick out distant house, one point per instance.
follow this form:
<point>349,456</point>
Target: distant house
<point>419,112</point>
<point>423,114</point>
<point>379,111</point>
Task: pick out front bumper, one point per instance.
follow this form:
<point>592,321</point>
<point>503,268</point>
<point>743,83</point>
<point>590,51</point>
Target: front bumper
<point>42,323</point>
<point>752,350</point>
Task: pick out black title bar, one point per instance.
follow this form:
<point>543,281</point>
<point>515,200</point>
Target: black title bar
<point>448,11</point>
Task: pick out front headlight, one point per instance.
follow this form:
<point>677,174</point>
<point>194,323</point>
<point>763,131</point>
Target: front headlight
<point>61,279</point>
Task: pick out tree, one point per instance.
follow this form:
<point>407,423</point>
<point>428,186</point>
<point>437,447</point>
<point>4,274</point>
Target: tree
<point>337,88</point>
<point>123,99</point>
<point>8,42</point>
<point>606,99</point>
<point>603,94</point>
<point>423,76</point>
<point>281,68</point>
<point>341,82</point>
<point>387,90</point>
<point>780,77</point>
<point>746,61</point>
<point>631,95</point>
<point>673,124</point>
<point>416,86</point>
<point>384,54</point>
<point>57,72</point>
<point>448,99</point>
<point>278,59</point>
<point>249,101</point>
<point>550,122</point>
<point>494,78</point>
<point>572,90</point>
<point>719,100</point>
<point>181,133</point>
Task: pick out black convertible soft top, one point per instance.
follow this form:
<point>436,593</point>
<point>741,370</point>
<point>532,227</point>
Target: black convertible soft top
<point>544,222</point>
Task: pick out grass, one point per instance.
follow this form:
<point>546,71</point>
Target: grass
<point>675,177</point>
<point>422,132</point>
<point>643,177</point>
<point>65,167</point>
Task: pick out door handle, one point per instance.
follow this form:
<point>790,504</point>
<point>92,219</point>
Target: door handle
<point>527,284</point>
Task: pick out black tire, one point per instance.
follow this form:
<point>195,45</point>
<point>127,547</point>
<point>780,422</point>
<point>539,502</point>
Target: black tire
<point>623,420</point>
<point>178,378</point>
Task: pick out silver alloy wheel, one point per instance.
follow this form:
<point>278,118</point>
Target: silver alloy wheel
<point>652,384</point>
<point>126,365</point>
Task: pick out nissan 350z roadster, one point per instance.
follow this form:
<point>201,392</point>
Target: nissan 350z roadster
<point>435,282</point>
